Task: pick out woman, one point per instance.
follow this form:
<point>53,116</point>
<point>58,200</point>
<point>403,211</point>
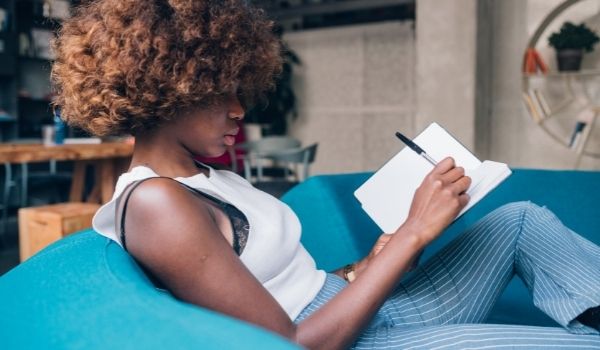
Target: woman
<point>177,75</point>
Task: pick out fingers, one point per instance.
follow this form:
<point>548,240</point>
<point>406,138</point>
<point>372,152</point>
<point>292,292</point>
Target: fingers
<point>444,166</point>
<point>453,175</point>
<point>463,199</point>
<point>461,185</point>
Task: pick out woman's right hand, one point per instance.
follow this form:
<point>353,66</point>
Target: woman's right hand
<point>437,201</point>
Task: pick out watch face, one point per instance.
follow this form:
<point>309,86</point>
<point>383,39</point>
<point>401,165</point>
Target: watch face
<point>349,273</point>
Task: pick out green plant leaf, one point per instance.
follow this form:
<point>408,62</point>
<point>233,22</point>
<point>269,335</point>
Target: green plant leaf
<point>576,37</point>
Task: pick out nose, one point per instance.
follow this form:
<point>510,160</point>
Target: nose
<point>236,110</point>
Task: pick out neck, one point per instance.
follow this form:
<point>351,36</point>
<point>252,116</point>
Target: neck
<point>164,155</point>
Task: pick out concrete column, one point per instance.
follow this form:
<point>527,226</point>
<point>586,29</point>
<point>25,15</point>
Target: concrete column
<point>509,119</point>
<point>446,66</point>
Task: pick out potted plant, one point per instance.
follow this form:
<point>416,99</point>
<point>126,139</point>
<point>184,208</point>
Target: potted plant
<point>570,43</point>
<point>280,103</point>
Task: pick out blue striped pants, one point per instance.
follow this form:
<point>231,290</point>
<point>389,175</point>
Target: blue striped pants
<point>444,303</point>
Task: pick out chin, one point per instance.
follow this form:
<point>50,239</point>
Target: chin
<point>213,153</point>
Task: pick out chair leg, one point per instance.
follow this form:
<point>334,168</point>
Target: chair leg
<point>24,183</point>
<point>297,172</point>
<point>259,170</point>
<point>5,197</point>
<point>52,166</point>
<point>305,166</point>
<point>247,170</point>
<point>4,225</point>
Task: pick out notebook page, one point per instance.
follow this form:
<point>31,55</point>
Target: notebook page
<point>439,144</point>
<point>387,195</point>
<point>484,179</point>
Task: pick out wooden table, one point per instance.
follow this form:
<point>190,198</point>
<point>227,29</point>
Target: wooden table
<point>110,159</point>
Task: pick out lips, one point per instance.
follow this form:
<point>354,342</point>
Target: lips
<point>229,140</point>
<point>230,137</point>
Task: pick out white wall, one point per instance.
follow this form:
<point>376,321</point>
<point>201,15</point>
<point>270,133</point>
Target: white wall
<point>355,87</point>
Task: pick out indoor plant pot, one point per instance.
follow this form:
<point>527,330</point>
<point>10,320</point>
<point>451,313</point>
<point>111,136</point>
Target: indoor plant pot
<point>569,59</point>
<point>570,43</point>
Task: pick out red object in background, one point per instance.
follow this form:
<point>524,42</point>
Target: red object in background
<point>533,61</point>
<point>225,160</point>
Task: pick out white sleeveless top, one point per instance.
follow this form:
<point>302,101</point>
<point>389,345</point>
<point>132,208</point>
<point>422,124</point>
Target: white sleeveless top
<point>273,252</point>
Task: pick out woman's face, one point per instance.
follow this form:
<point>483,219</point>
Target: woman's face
<point>208,132</point>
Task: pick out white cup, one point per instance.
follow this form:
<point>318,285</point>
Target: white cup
<point>48,132</point>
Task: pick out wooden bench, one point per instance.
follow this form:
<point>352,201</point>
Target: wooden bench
<point>40,226</point>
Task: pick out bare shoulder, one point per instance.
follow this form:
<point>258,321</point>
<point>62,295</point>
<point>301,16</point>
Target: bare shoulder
<point>157,193</point>
<point>163,211</point>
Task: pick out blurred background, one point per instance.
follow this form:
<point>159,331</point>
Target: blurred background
<point>356,71</point>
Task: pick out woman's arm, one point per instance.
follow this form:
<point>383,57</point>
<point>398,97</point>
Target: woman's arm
<point>361,265</point>
<point>185,250</point>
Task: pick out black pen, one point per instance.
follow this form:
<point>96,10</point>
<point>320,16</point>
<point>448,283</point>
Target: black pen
<point>415,148</point>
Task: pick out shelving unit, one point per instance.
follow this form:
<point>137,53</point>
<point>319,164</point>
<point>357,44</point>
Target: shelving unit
<point>25,65</point>
<point>559,117</point>
<point>33,74</point>
<point>559,101</point>
<point>8,62</point>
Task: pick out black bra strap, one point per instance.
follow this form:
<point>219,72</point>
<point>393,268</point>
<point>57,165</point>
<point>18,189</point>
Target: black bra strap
<point>130,188</point>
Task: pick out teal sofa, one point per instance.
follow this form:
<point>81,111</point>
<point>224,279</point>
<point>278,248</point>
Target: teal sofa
<point>85,292</point>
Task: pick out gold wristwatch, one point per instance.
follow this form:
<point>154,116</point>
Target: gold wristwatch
<point>349,272</point>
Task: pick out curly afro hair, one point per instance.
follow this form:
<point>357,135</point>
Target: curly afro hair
<point>124,66</point>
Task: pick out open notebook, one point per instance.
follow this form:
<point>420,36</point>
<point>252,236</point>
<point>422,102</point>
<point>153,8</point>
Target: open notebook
<point>387,195</point>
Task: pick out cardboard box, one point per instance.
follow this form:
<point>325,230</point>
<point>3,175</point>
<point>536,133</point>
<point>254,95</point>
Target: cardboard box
<point>40,226</point>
